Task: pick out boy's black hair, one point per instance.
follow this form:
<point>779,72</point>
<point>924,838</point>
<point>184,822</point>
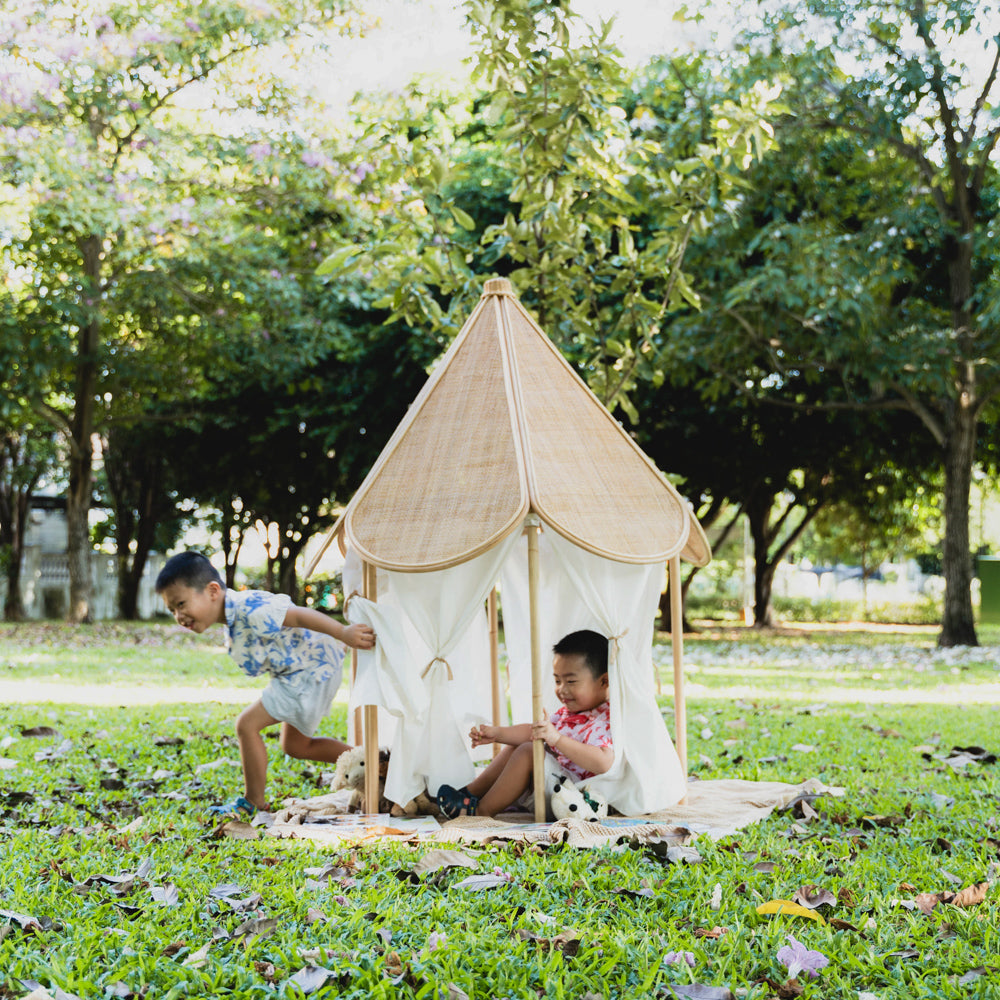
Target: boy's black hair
<point>592,646</point>
<point>191,569</point>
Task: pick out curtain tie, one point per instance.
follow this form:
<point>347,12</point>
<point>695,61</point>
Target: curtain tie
<point>438,659</point>
<point>347,600</point>
<point>614,640</point>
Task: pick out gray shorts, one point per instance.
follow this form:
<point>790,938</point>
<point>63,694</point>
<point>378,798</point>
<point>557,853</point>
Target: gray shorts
<point>303,705</point>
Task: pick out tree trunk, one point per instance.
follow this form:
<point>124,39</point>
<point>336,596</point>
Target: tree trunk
<point>81,448</point>
<point>758,508</point>
<point>290,549</point>
<point>78,548</point>
<point>12,541</point>
<point>758,511</point>
<point>958,626</point>
<point>763,584</point>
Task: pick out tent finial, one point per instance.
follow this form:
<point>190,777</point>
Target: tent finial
<point>497,286</point>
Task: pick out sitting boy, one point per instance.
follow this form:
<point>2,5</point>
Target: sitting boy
<point>267,634</point>
<point>578,735</point>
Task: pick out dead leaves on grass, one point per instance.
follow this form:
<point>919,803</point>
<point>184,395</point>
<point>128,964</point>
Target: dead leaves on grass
<point>972,895</point>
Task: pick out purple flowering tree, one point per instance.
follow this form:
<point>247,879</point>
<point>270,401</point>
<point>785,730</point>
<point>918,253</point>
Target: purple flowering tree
<point>121,137</point>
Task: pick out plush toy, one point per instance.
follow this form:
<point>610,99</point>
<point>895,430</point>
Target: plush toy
<point>576,802</point>
<point>350,773</point>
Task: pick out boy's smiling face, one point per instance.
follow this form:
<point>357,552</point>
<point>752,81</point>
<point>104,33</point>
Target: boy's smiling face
<point>194,609</point>
<point>576,687</point>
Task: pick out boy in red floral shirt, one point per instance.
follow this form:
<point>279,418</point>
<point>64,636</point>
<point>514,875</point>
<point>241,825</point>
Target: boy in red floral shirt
<point>578,735</point>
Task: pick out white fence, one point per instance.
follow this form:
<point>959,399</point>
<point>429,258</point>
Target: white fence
<point>45,585</point>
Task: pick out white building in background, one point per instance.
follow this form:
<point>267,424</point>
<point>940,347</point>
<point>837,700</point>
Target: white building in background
<point>45,570</point>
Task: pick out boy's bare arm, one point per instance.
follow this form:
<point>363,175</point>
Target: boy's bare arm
<point>597,760</point>
<point>359,636</point>
<point>511,735</point>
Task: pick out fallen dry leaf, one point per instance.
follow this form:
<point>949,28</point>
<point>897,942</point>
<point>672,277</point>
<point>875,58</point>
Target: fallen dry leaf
<point>265,970</point>
<point>394,965</point>
<point>846,898</point>
<point>566,942</point>
<point>786,907</point>
<point>433,861</point>
<point>972,895</point>
<point>252,929</point>
<point>311,978</point>
<point>812,896</point>
<point>714,934</point>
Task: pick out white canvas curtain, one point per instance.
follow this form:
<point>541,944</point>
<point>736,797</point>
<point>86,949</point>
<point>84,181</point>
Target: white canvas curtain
<point>580,590</point>
<point>430,665</point>
<point>646,775</point>
<point>430,668</point>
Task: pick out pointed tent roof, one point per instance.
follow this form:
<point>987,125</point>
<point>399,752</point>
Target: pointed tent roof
<point>504,427</point>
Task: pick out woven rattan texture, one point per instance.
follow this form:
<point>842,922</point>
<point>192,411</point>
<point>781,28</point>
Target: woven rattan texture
<point>453,484</point>
<point>589,481</point>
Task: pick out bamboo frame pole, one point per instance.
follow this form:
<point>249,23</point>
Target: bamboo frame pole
<point>533,527</point>
<point>677,645</point>
<point>371,713</point>
<point>357,711</point>
<point>491,608</point>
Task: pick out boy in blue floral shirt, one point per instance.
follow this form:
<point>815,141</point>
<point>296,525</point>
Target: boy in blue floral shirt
<point>266,633</point>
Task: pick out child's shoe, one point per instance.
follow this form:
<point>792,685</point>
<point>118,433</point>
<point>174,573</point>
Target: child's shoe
<point>239,808</point>
<point>456,802</point>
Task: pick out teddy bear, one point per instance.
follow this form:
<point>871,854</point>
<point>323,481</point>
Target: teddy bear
<point>350,773</point>
<point>570,801</point>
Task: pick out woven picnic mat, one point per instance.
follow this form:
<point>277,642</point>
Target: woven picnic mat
<point>714,808</point>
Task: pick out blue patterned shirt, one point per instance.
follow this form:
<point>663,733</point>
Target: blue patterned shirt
<point>261,644</point>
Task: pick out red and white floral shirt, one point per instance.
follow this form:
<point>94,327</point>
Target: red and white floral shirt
<point>592,727</point>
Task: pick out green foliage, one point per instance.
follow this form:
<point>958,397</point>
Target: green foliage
<point>126,133</point>
<point>863,263</point>
<point>595,208</point>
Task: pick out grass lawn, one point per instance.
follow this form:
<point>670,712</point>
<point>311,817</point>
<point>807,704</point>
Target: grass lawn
<point>113,883</point>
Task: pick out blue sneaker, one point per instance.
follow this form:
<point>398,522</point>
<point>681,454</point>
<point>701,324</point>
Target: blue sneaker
<point>239,808</point>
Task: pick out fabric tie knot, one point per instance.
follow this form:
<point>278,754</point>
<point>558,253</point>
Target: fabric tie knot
<point>347,600</point>
<point>614,640</point>
<point>438,659</point>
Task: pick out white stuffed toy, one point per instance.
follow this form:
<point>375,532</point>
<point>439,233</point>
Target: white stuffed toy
<point>350,773</point>
<point>569,801</point>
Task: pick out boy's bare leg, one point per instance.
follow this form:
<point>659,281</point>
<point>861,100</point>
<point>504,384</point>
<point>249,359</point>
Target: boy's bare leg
<point>483,781</point>
<point>319,748</point>
<point>511,783</point>
<point>253,752</point>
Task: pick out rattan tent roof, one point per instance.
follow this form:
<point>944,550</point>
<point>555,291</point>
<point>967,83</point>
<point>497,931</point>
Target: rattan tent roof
<point>504,427</point>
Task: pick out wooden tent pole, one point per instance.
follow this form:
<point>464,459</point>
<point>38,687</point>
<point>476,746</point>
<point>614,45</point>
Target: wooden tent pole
<point>533,527</point>
<point>491,607</point>
<point>677,644</point>
<point>371,712</point>
<point>357,711</point>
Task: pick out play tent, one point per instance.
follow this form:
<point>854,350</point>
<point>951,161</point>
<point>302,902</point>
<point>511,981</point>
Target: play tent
<point>507,469</point>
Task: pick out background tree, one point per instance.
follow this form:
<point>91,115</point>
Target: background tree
<point>28,455</point>
<point>894,292</point>
<point>580,175</point>
<point>113,175</point>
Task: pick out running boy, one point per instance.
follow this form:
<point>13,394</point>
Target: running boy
<point>266,634</point>
<point>578,735</point>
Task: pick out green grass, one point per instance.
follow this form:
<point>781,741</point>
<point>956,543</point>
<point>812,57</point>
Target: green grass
<point>131,786</point>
